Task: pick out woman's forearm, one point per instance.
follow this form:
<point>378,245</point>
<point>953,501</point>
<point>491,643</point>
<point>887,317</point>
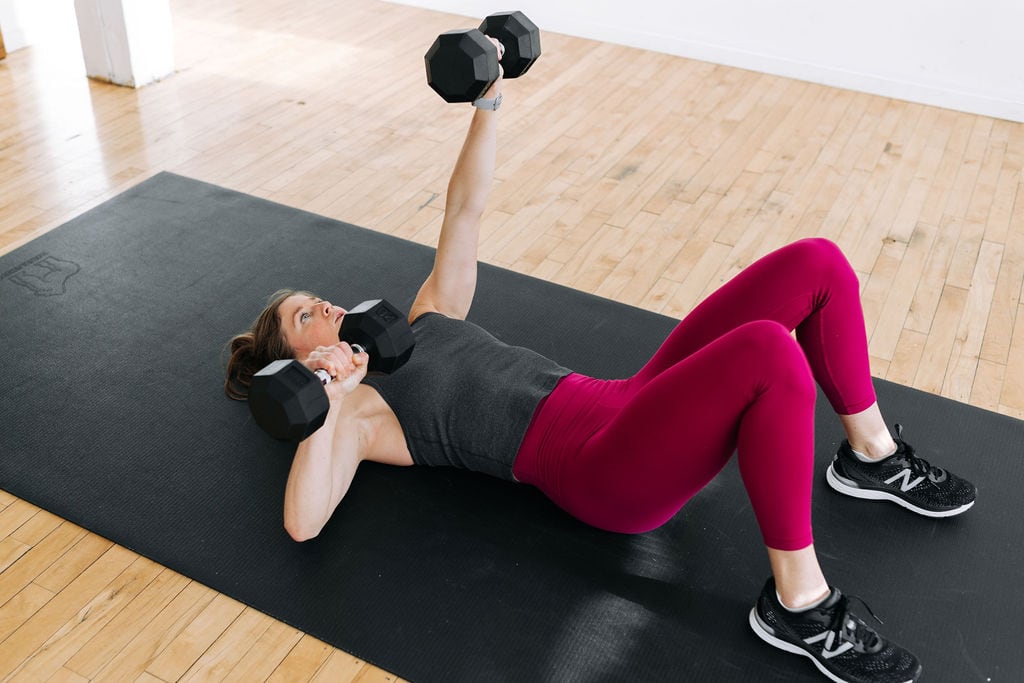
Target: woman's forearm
<point>310,488</point>
<point>473,174</point>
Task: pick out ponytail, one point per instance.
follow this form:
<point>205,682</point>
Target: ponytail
<point>250,351</point>
<point>241,366</point>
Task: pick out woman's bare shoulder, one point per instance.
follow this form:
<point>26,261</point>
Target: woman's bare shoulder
<point>381,436</point>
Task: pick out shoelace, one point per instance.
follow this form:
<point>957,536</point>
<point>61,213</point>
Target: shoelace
<point>918,466</point>
<point>851,629</point>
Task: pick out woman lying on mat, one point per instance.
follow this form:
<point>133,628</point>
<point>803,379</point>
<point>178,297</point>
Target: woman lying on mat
<point>626,455</point>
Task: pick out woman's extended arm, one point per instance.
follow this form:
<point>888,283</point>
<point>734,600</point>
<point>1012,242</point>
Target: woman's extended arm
<point>450,286</point>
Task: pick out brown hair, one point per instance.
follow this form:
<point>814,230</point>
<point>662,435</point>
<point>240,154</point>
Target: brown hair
<point>254,349</point>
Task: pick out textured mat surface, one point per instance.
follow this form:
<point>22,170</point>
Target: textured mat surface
<point>112,416</point>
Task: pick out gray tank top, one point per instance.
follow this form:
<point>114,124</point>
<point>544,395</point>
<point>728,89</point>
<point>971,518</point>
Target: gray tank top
<point>465,399</point>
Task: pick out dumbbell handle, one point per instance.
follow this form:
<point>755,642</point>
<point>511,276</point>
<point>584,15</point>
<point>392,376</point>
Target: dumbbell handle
<point>322,374</point>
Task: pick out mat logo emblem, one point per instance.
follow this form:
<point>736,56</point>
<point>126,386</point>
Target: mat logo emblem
<point>43,275</point>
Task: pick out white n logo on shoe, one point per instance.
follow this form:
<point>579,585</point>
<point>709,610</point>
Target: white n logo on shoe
<point>907,484</point>
<point>829,637</point>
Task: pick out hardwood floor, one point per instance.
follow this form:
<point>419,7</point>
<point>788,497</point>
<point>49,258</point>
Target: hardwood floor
<point>638,176</point>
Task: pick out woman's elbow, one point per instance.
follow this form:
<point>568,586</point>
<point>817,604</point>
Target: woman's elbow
<point>302,531</point>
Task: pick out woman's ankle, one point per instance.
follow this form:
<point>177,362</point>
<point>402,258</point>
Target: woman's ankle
<point>867,433</point>
<point>799,580</point>
<point>803,600</point>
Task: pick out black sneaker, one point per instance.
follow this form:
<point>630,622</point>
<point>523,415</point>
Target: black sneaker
<point>903,478</point>
<point>842,646</point>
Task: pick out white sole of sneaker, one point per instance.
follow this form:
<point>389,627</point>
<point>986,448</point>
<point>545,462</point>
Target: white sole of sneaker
<point>764,632</point>
<point>843,485</point>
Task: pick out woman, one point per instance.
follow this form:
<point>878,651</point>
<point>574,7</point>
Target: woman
<point>625,455</point>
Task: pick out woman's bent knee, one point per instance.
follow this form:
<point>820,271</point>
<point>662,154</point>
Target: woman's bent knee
<point>780,359</point>
<point>822,259</point>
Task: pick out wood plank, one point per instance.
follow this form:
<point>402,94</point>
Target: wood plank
<point>967,346</point>
<point>230,648</point>
<point>886,333</point>
<point>266,654</point>
<point>933,278</point>
<point>11,551</point>
<point>159,631</point>
<point>38,527</point>
<point>189,645</point>
<point>878,286</point>
<point>28,648</point>
<point>342,667</point>
<point>14,516</point>
<point>303,661</point>
<point>36,561</point>
<point>1012,395</point>
<point>22,607</point>
<point>988,385</point>
<point>1008,290</point>
<point>91,618</point>
<point>931,374</point>
<point>906,358</point>
<point>127,624</point>
<point>71,564</point>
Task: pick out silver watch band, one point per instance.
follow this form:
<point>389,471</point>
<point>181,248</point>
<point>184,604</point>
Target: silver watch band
<point>490,103</point>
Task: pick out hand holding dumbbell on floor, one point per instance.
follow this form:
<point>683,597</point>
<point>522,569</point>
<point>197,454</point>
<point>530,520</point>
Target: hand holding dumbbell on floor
<point>462,65</point>
<point>288,400</point>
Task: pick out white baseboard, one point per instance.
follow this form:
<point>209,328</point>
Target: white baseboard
<point>945,96</point>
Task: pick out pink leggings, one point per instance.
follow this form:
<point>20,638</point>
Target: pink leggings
<point>626,455</point>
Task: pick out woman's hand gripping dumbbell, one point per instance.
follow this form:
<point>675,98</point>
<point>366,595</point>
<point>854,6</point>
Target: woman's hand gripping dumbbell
<point>288,400</point>
<point>340,368</point>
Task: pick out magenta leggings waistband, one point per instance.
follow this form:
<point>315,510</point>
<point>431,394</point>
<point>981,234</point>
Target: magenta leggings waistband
<point>626,455</point>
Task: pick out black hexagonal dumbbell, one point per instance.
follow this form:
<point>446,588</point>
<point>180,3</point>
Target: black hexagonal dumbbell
<point>462,65</point>
<point>519,36</point>
<point>288,401</point>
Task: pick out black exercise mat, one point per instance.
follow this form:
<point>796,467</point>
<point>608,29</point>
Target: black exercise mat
<point>113,332</point>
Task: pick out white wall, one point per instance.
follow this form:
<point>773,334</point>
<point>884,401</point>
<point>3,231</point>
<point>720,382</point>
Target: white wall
<point>960,54</point>
<point>11,24</point>
<point>127,42</point>
<point>30,22</point>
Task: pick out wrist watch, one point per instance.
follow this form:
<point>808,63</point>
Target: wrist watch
<point>489,103</point>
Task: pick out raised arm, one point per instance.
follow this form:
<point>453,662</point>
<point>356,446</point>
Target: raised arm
<point>450,286</point>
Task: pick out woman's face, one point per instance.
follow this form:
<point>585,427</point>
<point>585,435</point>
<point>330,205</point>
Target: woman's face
<point>308,322</point>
